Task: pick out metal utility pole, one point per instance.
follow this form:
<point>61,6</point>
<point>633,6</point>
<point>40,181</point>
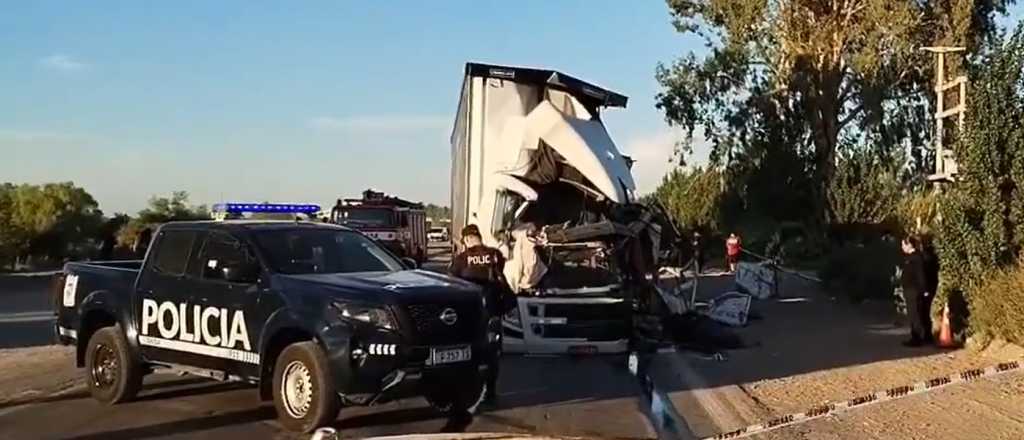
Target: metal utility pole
<point>945,163</point>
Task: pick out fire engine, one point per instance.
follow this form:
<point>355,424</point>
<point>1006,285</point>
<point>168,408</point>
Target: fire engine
<point>400,225</point>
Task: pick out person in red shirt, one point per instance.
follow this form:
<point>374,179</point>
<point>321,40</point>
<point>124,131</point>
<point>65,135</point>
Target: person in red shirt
<point>732,251</point>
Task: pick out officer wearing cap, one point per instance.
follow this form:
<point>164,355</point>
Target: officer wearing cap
<point>484,265</point>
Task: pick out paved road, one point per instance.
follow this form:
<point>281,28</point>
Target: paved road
<point>26,318</point>
<point>549,395</point>
<point>586,397</point>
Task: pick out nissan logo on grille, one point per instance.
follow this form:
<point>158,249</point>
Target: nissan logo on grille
<point>448,316</point>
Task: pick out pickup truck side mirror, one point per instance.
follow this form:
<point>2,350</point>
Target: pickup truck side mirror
<point>410,263</point>
<point>242,273</point>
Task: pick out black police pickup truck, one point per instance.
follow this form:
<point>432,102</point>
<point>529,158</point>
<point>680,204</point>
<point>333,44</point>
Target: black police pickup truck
<point>317,315</point>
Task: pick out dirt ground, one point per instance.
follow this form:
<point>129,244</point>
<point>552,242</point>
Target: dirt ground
<point>31,374</point>
<point>812,348</point>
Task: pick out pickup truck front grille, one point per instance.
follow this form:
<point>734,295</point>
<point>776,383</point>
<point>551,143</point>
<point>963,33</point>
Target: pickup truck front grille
<point>431,330</point>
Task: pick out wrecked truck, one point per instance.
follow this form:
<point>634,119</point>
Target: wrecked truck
<point>535,169</point>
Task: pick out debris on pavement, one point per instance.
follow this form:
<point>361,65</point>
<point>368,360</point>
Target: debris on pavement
<point>730,308</point>
<point>700,333</point>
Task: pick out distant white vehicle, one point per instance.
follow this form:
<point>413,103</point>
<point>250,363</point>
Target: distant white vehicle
<point>437,234</point>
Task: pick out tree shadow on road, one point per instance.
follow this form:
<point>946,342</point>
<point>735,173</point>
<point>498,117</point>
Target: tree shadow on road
<point>79,392</point>
<point>184,426</point>
<point>811,331</point>
<point>205,387</point>
<point>540,383</point>
<point>403,416</point>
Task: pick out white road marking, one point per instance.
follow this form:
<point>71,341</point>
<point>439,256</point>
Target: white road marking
<point>7,318</point>
<point>33,274</point>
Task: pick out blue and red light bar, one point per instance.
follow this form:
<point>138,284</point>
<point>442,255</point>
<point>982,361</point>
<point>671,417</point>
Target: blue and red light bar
<point>241,208</point>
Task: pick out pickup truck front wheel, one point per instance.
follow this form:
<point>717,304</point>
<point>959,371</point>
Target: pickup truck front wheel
<point>112,374</point>
<point>304,393</point>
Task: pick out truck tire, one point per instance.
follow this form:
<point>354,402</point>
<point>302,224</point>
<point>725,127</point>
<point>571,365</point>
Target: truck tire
<point>113,374</point>
<point>305,396</point>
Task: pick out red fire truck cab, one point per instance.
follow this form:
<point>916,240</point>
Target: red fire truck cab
<point>400,225</point>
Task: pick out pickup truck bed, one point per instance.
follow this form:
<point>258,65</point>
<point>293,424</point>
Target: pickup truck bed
<point>116,277</point>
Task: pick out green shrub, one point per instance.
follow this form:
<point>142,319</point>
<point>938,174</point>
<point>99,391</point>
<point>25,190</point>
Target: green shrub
<point>981,227</point>
<point>865,188</point>
<point>692,197</point>
<point>916,205</point>
<point>862,271</point>
<point>997,305</point>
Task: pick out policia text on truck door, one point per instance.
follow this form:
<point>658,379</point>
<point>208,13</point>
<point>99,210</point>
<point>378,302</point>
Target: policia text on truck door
<point>317,315</point>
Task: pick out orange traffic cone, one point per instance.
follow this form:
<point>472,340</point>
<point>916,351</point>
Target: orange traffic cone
<point>945,333</point>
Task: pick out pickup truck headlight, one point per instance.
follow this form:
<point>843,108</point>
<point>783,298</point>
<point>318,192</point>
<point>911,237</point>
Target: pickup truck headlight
<point>376,316</point>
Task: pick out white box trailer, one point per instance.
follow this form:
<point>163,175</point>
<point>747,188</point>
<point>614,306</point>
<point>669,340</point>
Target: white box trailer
<point>529,147</point>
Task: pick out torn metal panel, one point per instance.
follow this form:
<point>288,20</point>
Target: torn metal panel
<point>587,232</point>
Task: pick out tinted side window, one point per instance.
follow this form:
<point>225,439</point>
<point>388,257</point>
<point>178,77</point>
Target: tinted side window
<point>172,252</point>
<point>220,251</point>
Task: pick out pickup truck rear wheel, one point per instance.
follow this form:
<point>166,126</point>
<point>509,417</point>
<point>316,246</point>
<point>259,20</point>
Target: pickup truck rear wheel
<point>113,375</point>
<point>305,396</point>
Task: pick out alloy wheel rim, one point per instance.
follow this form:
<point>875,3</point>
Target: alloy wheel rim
<point>105,368</point>
<point>297,389</point>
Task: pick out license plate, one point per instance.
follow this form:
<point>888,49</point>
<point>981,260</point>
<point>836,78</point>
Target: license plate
<point>450,355</point>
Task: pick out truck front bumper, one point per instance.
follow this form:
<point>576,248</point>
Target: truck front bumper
<point>567,325</point>
<point>414,381</point>
<point>380,366</point>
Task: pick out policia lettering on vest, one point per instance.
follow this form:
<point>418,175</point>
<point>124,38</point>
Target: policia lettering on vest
<point>484,266</point>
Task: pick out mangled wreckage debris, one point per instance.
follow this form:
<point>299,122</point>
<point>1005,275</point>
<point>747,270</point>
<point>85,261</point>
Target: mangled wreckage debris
<point>535,169</point>
<point>579,284</point>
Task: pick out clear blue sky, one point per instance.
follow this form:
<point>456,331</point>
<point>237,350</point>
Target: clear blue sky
<point>273,101</point>
<point>295,101</point>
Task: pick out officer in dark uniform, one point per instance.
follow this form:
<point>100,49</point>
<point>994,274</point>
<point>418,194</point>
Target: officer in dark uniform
<point>915,285</point>
<point>698,253</point>
<point>142,242</point>
<point>484,266</point>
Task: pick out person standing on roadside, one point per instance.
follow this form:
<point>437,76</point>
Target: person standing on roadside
<point>698,254</point>
<point>142,241</point>
<point>335,211</point>
<point>484,266</point>
<point>733,246</point>
<point>931,276</point>
<point>914,282</point>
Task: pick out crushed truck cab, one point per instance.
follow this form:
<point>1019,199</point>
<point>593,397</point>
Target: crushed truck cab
<point>318,316</point>
<point>532,161</point>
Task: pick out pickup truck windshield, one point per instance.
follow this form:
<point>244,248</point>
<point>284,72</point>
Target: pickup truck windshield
<point>298,252</point>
